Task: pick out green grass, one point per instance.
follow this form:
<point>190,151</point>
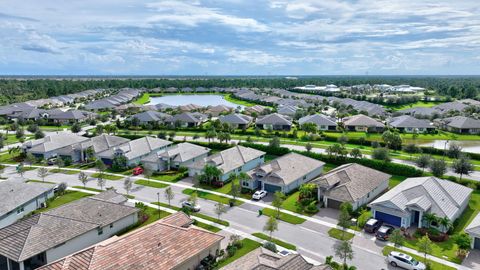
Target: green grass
<point>210,196</point>
<point>29,168</point>
<point>435,265</point>
<point>145,98</point>
<point>276,241</point>
<point>151,184</point>
<point>169,176</point>
<point>195,214</point>
<point>283,216</point>
<point>64,171</point>
<point>39,181</point>
<point>107,176</point>
<point>68,196</point>
<point>207,227</point>
<point>247,246</point>
<point>291,204</point>
<point>226,189</point>
<point>231,98</point>
<point>269,157</point>
<point>328,167</point>
<point>395,180</point>
<point>421,103</point>
<point>470,212</point>
<point>445,250</point>
<point>339,234</point>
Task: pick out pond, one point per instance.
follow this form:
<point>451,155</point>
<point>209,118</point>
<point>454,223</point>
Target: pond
<point>201,100</point>
<point>468,146</point>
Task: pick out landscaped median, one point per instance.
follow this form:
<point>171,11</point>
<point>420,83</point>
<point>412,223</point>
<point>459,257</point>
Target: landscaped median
<point>99,190</point>
<point>433,264</point>
<point>275,241</point>
<point>283,216</point>
<point>107,176</point>
<point>339,234</point>
<point>210,196</point>
<point>39,181</point>
<point>195,214</point>
<point>64,171</point>
<point>153,184</point>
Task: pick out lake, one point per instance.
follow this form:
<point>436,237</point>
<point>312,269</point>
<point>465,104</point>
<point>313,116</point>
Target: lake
<point>468,146</point>
<point>201,100</point>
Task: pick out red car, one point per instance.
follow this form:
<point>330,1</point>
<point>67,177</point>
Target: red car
<point>137,170</point>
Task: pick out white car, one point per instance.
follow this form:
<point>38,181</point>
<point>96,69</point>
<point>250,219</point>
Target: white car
<point>191,206</point>
<point>259,194</point>
<point>397,259</point>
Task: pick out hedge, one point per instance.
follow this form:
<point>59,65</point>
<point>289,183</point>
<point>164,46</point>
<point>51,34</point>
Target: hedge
<point>277,151</point>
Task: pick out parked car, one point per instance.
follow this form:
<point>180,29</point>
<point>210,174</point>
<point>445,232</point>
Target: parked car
<point>51,161</point>
<point>259,194</point>
<point>404,261</point>
<point>137,170</point>
<point>191,206</point>
<point>383,233</point>
<point>372,225</point>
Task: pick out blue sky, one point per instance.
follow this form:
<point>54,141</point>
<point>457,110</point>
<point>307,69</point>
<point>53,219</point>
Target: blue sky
<point>239,37</point>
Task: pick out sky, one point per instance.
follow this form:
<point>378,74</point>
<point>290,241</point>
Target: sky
<point>239,37</point>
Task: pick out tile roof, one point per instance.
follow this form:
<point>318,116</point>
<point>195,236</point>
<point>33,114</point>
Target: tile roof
<point>137,148</point>
<point>406,121</point>
<point>235,118</point>
<point>274,119</point>
<point>474,226</point>
<point>179,219</point>
<point>318,119</point>
<point>362,120</point>
<point>179,152</point>
<point>158,246</point>
<point>150,116</point>
<point>71,115</point>
<point>350,182</point>
<point>54,142</point>
<point>16,193</point>
<point>104,142</point>
<point>462,122</point>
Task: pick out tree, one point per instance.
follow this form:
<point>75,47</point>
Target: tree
<point>310,127</point>
<point>119,163</point>
<point>342,139</point>
<point>220,209</point>
<point>392,140</point>
<point>462,165</point>
<point>278,199</point>
<point>127,185</point>
<point>101,180</point>
<point>344,251</point>
<point>411,148</point>
<point>423,161</point>
<point>210,134</point>
<point>39,134</point>
<point>100,165</point>
<point>235,190</point>
<point>429,218</point>
<point>76,128</point>
<point>424,246</point>
<point>20,133</point>
<point>147,172</point>
<point>210,173</point>
<point>309,147</point>
<point>193,199</point>
<point>381,154</point>
<point>454,150</point>
<point>271,226</point>
<point>61,188</point>
<point>83,178</point>
<point>463,240</point>
<point>397,238</point>
<point>30,158</point>
<point>344,220</point>
<point>438,167</point>
<point>169,195</point>
<point>274,142</point>
<point>337,150</point>
<point>356,153</point>
<point>59,162</point>
<point>445,222</point>
<point>42,173</point>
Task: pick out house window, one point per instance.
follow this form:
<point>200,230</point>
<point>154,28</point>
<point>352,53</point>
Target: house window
<point>111,225</point>
<point>20,210</point>
<point>305,177</point>
<point>100,231</point>
<point>245,184</point>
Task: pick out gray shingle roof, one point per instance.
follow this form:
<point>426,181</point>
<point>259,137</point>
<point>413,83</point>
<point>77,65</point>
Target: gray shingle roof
<point>137,148</point>
<point>406,121</point>
<point>150,116</point>
<point>274,119</point>
<point>318,119</point>
<point>362,120</point>
<point>180,153</point>
<point>420,111</point>
<point>450,106</point>
<point>185,117</point>
<point>15,193</point>
<point>71,115</point>
<point>104,142</point>
<point>474,226</point>
<point>235,118</point>
<point>462,122</point>
<point>54,142</point>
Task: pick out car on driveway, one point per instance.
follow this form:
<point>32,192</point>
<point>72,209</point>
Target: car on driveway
<point>191,206</point>
<point>51,161</point>
<point>137,170</point>
<point>383,233</point>
<point>397,259</point>
<point>259,194</point>
<point>372,225</point>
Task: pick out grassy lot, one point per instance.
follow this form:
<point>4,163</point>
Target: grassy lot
<point>169,176</point>
<point>11,139</point>
<point>207,227</point>
<point>328,167</point>
<point>470,212</point>
<point>195,214</point>
<point>269,158</point>
<point>127,172</point>
<point>64,171</point>
<point>151,184</point>
<point>339,234</point>
<point>276,241</point>
<point>291,204</point>
<point>435,265</point>
<point>210,196</point>
<point>395,180</point>
<point>247,246</point>
<point>421,103</point>
<point>145,98</point>
<point>283,216</point>
<point>226,189</point>
<point>68,196</point>
<point>232,99</point>
<point>107,176</point>
<point>39,181</point>
<point>88,188</point>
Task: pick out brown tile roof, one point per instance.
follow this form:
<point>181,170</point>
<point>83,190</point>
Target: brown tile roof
<point>179,219</point>
<point>157,246</point>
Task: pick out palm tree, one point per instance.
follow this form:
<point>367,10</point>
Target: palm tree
<point>445,222</point>
<point>429,218</point>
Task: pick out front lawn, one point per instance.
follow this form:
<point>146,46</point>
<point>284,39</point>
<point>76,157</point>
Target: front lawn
<point>226,189</point>
<point>68,196</point>
<point>207,227</point>
<point>145,98</point>
<point>88,188</point>
<point>291,204</point>
<point>210,196</point>
<point>169,176</point>
<point>195,214</point>
<point>283,216</point>
<point>434,265</point>
<point>247,246</point>
<point>339,234</point>
<point>395,180</point>
<point>275,241</point>
<point>63,171</point>
<point>107,176</point>
<point>39,181</point>
<point>151,184</point>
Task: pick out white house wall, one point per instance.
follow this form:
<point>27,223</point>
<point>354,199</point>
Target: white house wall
<point>28,207</point>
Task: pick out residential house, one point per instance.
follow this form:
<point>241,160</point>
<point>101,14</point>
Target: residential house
<point>176,156</point>
<point>189,107</point>
<point>186,119</point>
<point>20,199</point>
<point>257,109</point>
<point>450,106</point>
<point>473,229</point>
<point>419,112</point>
<point>363,123</point>
<point>134,151</point>
<point>406,204</point>
<point>274,121</point>
<point>71,116</point>
<point>236,120</point>
<point>99,144</point>
<point>409,124</point>
<point>218,110</point>
<point>352,183</point>
<point>233,160</point>
<point>284,174</point>
<point>262,258</point>
<point>150,117</point>
<point>323,122</point>
<point>48,236</point>
<point>166,245</point>
<point>460,124</point>
<point>59,144</point>
<point>288,110</point>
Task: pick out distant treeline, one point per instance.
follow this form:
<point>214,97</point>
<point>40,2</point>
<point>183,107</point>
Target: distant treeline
<point>12,90</point>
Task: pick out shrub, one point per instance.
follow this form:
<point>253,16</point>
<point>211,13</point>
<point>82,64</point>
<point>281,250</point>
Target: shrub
<point>312,208</point>
<point>270,246</point>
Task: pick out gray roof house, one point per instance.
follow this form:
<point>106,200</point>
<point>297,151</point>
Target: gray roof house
<point>352,183</point>
<point>72,116</point>
<point>134,150</point>
<point>232,160</point>
<point>407,203</point>
<point>409,124</point>
<point>450,106</point>
<point>187,119</point>
<point>236,120</point>
<point>473,229</point>
<point>150,117</point>
<point>264,259</point>
<point>43,238</point>
<point>461,124</point>
<point>274,121</point>
<point>176,156</point>
<point>323,122</point>
<point>287,110</point>
<point>419,112</point>
<point>363,123</point>
<point>101,143</point>
<point>217,110</point>
<point>54,145</point>
<point>284,174</point>
<point>20,199</point>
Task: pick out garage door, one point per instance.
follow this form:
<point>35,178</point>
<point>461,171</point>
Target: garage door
<point>271,188</point>
<point>387,218</point>
<point>476,243</point>
<point>333,204</point>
